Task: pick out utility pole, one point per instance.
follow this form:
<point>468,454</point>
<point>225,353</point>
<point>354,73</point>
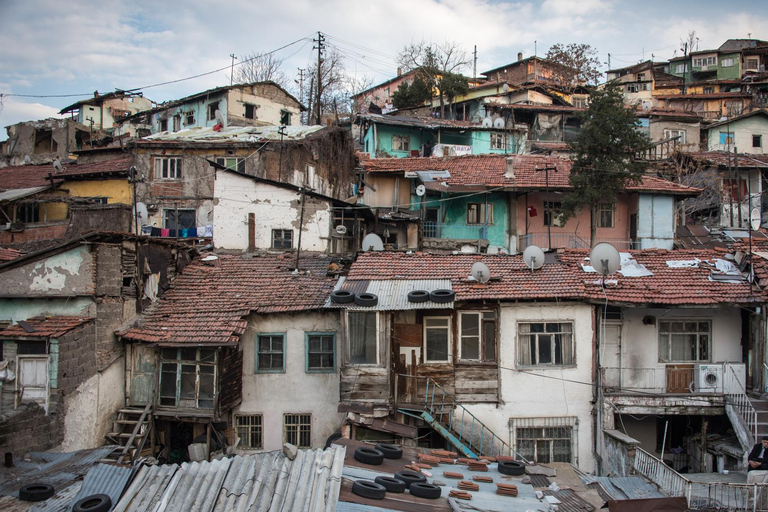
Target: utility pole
<point>281,131</point>
<point>474,65</point>
<point>301,87</point>
<point>232,69</point>
<point>685,64</point>
<point>320,47</point>
<point>548,206</point>
<point>609,61</point>
<point>301,222</point>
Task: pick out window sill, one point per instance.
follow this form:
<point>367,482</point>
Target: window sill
<point>257,372</point>
<point>548,367</point>
<point>476,362</point>
<point>326,371</point>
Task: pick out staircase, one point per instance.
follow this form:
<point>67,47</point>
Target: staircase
<point>455,423</point>
<point>130,430</point>
<point>761,408</point>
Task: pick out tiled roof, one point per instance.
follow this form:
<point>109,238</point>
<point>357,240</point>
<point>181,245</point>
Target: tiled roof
<point>115,166</point>
<point>9,254</point>
<point>721,158</point>
<point>25,176</point>
<point>491,171</point>
<point>209,301</point>
<point>512,280</point>
<point>45,326</point>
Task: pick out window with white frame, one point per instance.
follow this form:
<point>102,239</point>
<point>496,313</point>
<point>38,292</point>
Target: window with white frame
<point>401,142</point>
<point>684,340</point>
<point>726,63</point>
<point>681,68</point>
<point>362,337</point>
<point>545,344</point>
<point>168,167</point>
<point>498,140</point>
<point>187,377</point>
<point>668,134</point>
<point>270,352</point>
<point>546,440</point>
<point>553,214</point>
<point>477,335</point>
<point>297,430</point>
<point>605,214</point>
<point>437,339</point>
<point>705,61</point>
<point>250,430</point>
<point>321,351</point>
<point>233,163</point>
<point>708,89</point>
<point>479,213</point>
<point>282,238</point>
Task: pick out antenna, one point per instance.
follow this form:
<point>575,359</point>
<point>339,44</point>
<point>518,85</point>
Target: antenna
<point>533,257</point>
<point>605,258</point>
<point>373,242</point>
<point>421,190</point>
<point>480,272</point>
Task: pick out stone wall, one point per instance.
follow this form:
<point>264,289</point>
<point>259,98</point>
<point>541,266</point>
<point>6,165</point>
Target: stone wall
<point>29,429</point>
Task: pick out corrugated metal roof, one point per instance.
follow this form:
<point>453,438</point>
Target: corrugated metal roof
<point>62,501</point>
<point>10,195</point>
<point>105,479</point>
<point>147,488</point>
<point>393,293</point>
<point>623,488</point>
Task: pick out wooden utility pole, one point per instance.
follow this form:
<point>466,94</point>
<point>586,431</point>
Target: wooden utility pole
<point>320,47</point>
<point>232,69</point>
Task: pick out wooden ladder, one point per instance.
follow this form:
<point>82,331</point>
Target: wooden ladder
<point>131,429</point>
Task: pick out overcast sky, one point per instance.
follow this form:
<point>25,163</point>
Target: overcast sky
<point>74,47</point>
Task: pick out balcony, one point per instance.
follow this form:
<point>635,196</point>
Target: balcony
<point>688,378</point>
<point>568,241</point>
<point>455,231</point>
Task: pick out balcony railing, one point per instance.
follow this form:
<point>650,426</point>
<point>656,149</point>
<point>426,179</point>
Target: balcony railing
<point>569,241</point>
<point>676,379</point>
<point>455,231</point>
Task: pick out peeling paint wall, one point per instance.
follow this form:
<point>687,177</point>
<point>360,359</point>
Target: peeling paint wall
<point>67,273</point>
<point>15,309</point>
<point>313,393</point>
<point>43,141</point>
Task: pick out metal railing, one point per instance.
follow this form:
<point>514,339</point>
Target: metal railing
<point>671,378</point>
<point>569,241</point>
<point>455,231</point>
<point>736,395</point>
<point>670,482</point>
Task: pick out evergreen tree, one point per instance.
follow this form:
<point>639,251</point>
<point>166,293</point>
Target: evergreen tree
<point>412,95</point>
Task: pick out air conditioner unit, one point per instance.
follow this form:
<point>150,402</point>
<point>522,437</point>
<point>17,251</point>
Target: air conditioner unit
<point>708,378</point>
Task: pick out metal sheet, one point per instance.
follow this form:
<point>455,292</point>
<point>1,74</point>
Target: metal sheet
<point>105,479</point>
<point>622,488</point>
<point>147,488</point>
<point>18,193</point>
<point>393,293</point>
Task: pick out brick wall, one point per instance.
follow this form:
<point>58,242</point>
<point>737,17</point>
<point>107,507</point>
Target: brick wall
<point>35,233</point>
<point>109,316</point>
<point>109,278</point>
<point>77,359</point>
<point>28,429</point>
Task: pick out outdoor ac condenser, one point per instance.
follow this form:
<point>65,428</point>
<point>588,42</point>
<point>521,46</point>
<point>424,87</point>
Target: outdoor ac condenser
<point>708,378</point>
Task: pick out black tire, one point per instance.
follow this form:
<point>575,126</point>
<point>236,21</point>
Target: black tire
<point>442,296</point>
<point>390,451</point>
<point>511,467</point>
<point>425,490</point>
<point>93,503</point>
<point>369,456</point>
<point>331,438</point>
<point>410,477</point>
<point>418,296</point>
<point>342,297</point>
<point>368,489</point>
<point>366,299</point>
<point>390,484</point>
<point>36,492</point>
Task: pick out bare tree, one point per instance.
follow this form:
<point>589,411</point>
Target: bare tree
<point>260,67</point>
<point>695,172</point>
<point>333,84</point>
<point>578,63</point>
<point>439,65</point>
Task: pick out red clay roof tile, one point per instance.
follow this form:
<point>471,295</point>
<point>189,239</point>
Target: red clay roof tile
<point>45,327</point>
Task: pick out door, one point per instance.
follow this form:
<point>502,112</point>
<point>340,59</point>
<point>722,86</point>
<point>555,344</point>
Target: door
<point>610,355</point>
<point>633,231</point>
<point>432,223</point>
<point>32,382</point>
<point>142,383</point>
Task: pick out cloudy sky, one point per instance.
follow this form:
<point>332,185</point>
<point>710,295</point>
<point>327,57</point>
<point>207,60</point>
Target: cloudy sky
<point>51,48</point>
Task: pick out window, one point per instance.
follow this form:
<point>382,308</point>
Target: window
<point>545,344</point>
<point>297,429</point>
<point>285,117</point>
<point>212,108</point>
<point>552,214</point>
<point>640,77</point>
<point>580,102</point>
<point>321,351</point>
<point>668,134</point>
<point>726,63</point>
<point>187,219</point>
<point>282,238</point>
<point>250,111</point>
<point>163,125</point>
<point>479,213</point>
<point>684,340</point>
<point>28,212</point>
<point>546,440</point>
<point>176,123</point>
<point>709,90</point>
<point>437,339</point>
<point>632,88</point>
<point>751,63</point>
<point>681,68</point>
<point>704,61</point>
<point>236,164</point>
<point>498,141</point>
<point>757,141</point>
<point>250,430</point>
<point>737,188</point>
<point>477,331</point>
<point>189,118</point>
<point>270,352</point>
<point>361,328</point>
<point>167,168</point>
<point>605,214</point>
<point>187,377</point>
<point>401,143</point>
<point>726,138</point>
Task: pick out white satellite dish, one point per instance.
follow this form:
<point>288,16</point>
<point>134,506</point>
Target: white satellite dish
<point>533,257</point>
<point>755,219</point>
<point>373,242</point>
<point>605,258</point>
<point>487,122</point>
<point>220,119</point>
<point>421,190</point>
<point>480,272</point>
<point>499,123</point>
<point>505,87</point>
<point>142,214</point>
<point>57,165</point>
<point>341,229</point>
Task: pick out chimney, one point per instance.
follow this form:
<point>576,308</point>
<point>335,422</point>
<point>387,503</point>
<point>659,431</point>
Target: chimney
<point>399,71</point>
<point>519,56</point>
<point>510,174</point>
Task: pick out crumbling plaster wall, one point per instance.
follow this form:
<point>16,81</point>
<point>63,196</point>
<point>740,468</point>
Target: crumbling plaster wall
<point>68,273</point>
<point>21,141</point>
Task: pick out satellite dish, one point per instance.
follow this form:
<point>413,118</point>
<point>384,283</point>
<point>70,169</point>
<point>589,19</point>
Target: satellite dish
<point>499,123</point>
<point>57,165</point>
<point>505,87</point>
<point>646,106</point>
<point>533,257</point>
<point>373,242</point>
<point>480,272</point>
<point>220,119</point>
<point>755,219</point>
<point>421,190</point>
<point>487,122</point>
<point>27,160</point>
<point>141,213</point>
<point>341,229</point>
<point>605,258</point>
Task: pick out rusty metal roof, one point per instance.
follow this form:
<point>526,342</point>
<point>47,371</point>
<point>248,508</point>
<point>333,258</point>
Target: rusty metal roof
<point>392,293</point>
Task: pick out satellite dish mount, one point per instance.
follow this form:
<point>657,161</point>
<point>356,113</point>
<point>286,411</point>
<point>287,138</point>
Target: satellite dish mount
<point>480,272</point>
<point>533,257</point>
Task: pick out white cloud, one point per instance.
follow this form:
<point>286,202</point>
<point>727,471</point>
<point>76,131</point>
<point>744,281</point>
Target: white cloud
<point>13,111</point>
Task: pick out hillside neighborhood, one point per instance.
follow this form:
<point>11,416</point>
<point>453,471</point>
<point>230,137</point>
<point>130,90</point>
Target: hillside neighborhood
<point>212,303</point>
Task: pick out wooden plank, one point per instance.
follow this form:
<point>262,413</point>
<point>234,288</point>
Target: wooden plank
<point>356,407</point>
<point>408,335</point>
<point>477,398</point>
<point>476,384</point>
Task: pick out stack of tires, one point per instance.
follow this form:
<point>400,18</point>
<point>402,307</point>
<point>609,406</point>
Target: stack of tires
<point>414,482</point>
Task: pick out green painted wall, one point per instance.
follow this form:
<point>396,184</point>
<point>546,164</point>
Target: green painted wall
<point>729,72</point>
<point>455,219</point>
<point>479,140</point>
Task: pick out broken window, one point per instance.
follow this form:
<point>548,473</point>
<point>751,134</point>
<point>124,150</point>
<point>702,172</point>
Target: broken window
<point>401,142</point>
<point>477,335</point>
<point>479,213</point>
<point>250,430</point>
<point>168,168</point>
<point>437,339</point>
<point>605,215</point>
<point>361,334</point>
<point>44,142</point>
<point>282,238</point>
<point>270,352</point>
<point>187,377</point>
<point>684,340</point>
<point>236,164</point>
<point>297,430</point>
<point>250,111</point>
<point>212,109</point>
<point>546,440</point>
<point>285,117</point>
<point>321,351</point>
<point>545,344</point>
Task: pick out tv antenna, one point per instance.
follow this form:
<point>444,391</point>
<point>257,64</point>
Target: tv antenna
<point>533,257</point>
<point>480,272</point>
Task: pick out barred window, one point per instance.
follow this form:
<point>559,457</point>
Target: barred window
<point>282,238</point>
<point>297,429</point>
<point>250,430</point>
<point>545,344</point>
<point>545,440</point>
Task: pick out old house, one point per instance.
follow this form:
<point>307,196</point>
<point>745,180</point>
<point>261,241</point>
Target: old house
<point>242,340</point>
<point>747,133</point>
<point>107,111</point>
<point>670,131</point>
<point>40,142</point>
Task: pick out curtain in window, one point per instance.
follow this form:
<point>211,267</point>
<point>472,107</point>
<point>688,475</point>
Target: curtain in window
<point>524,344</point>
<point>567,342</point>
<point>362,338</point>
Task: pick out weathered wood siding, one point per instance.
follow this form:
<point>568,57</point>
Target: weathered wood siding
<point>366,383</point>
<point>141,374</point>
<point>230,387</point>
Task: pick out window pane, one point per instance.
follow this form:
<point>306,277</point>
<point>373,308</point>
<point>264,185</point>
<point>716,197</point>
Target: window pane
<point>437,344</point>
<point>545,349</point>
<point>206,386</point>
<point>470,336</point>
<point>189,354</point>
<point>362,337</point>
<point>188,377</point>
<point>542,451</point>
<point>489,341</point>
